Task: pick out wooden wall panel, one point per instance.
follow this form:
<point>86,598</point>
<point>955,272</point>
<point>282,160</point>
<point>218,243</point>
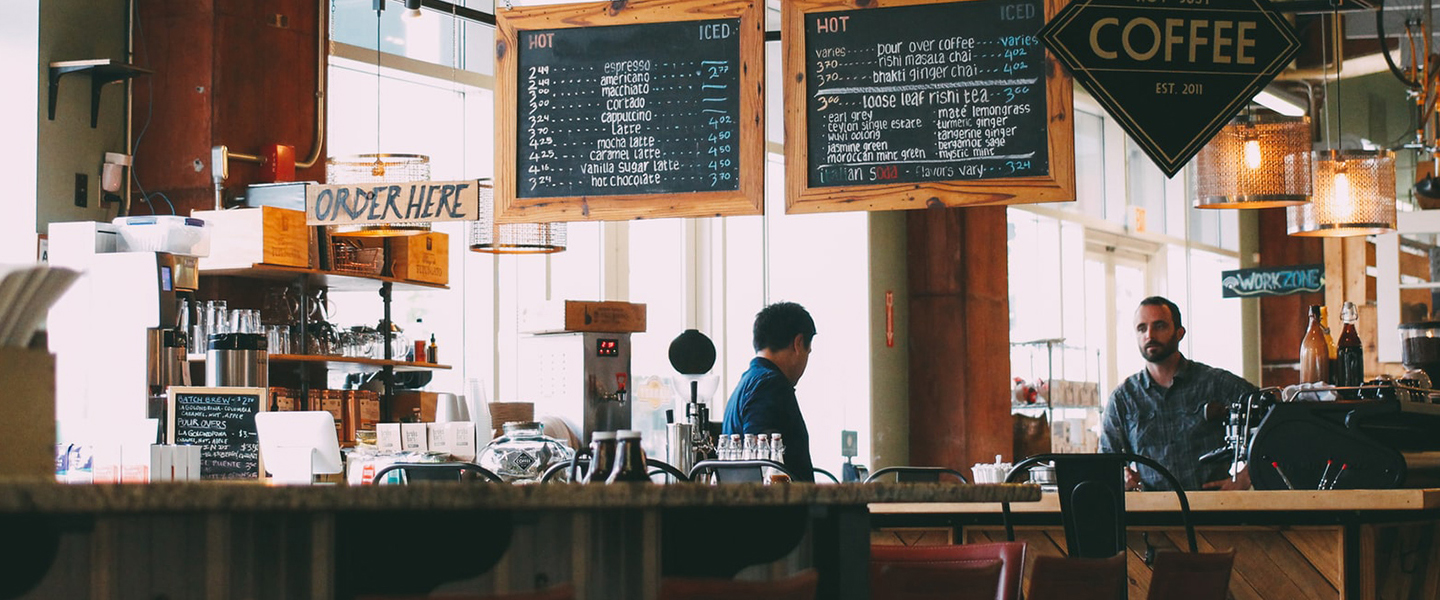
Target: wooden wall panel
<point>236,72</point>
<point>1283,318</point>
<point>959,348</point>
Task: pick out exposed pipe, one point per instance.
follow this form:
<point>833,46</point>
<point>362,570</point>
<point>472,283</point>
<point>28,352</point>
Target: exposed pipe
<point>322,64</point>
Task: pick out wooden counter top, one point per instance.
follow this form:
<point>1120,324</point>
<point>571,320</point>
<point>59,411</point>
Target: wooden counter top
<point>17,497</point>
<point>1253,500</point>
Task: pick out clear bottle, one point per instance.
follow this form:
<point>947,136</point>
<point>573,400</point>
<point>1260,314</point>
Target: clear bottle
<point>602,457</point>
<point>748,453</point>
<point>629,459</point>
<point>762,446</point>
<point>1325,326</point>
<point>1350,353</point>
<point>737,448</point>
<point>722,448</point>
<point>1314,353</point>
<point>777,448</point>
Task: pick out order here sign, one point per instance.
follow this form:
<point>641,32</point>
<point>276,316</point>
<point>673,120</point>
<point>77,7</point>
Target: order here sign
<point>373,203</point>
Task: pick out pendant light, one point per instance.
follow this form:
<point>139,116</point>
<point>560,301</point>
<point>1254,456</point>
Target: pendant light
<point>379,167</point>
<point>1354,195</point>
<point>1255,162</point>
<point>1354,190</point>
<point>511,238</point>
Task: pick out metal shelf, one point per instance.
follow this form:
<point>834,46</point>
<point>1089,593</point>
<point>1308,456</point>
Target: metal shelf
<point>347,364</point>
<point>101,72</point>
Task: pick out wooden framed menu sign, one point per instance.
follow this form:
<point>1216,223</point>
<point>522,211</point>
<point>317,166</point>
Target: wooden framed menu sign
<point>221,421</point>
<point>897,104</point>
<point>627,110</point>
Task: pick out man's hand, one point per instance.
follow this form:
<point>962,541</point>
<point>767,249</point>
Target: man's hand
<point>1132,480</point>
<point>1241,482</point>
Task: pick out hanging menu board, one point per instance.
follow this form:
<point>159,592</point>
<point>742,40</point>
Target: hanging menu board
<point>918,103</point>
<point>221,421</point>
<point>648,110</point>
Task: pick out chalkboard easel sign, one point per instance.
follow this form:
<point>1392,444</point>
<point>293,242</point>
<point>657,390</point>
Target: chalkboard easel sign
<point>628,110</point>
<point>221,421</point>
<point>901,104</point>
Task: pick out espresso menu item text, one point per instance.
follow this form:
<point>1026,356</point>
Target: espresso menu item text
<point>223,426</point>
<point>919,93</point>
<point>629,109</point>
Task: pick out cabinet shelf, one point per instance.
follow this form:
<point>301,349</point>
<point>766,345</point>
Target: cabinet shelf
<point>336,282</point>
<point>101,72</point>
<point>348,364</point>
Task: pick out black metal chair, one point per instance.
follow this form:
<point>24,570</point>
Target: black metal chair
<point>908,474</point>
<point>736,471</point>
<point>656,467</point>
<point>1092,500</point>
<point>828,475</point>
<point>446,471</point>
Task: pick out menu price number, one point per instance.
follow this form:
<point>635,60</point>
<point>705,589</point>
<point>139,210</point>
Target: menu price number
<point>1015,91</point>
<point>1017,166</point>
<point>537,121</point>
<point>826,101</point>
<point>718,144</point>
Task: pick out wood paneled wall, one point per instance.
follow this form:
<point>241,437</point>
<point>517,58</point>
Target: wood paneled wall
<point>1283,318</point>
<point>959,336</point>
<point>236,72</point>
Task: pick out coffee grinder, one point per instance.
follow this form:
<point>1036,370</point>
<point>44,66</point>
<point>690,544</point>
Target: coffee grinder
<point>692,354</point>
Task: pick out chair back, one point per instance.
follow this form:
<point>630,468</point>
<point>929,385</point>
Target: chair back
<point>800,586</point>
<point>1092,500</point>
<point>1191,576</point>
<point>828,475</point>
<point>909,474</point>
<point>735,471</point>
<point>913,571</point>
<point>1060,578</point>
<point>656,467</point>
<point>446,471</point>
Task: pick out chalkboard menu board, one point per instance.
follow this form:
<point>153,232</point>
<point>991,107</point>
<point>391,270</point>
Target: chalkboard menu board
<point>630,109</point>
<point>221,421</point>
<point>664,106</point>
<point>921,92</point>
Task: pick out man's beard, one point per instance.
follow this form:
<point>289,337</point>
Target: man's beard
<point>1161,353</point>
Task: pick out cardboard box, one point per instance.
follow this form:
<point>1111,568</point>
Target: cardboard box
<point>284,399</point>
<point>423,257</point>
<point>27,427</point>
<point>404,404</point>
<point>581,315</point>
<point>241,238</point>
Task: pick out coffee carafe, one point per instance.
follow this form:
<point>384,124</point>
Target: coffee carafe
<point>237,360</point>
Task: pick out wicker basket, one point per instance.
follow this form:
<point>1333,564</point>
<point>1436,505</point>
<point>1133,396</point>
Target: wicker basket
<point>358,261</point>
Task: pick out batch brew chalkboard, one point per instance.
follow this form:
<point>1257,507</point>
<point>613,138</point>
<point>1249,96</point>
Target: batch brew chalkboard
<point>651,108</point>
<point>926,93</point>
<point>221,421</point>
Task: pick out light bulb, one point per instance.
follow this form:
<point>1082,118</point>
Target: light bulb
<point>1343,204</point>
<point>1252,153</point>
<point>413,13</point>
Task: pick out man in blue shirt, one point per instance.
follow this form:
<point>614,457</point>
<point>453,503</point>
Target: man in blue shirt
<point>764,400</point>
<point>1160,412</point>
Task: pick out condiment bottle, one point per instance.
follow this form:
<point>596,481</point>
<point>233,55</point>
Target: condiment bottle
<point>432,354</point>
<point>1314,352</point>
<point>629,459</point>
<point>602,457</point>
<point>1350,360</point>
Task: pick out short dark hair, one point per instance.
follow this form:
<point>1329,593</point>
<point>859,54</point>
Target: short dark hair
<point>1165,302</point>
<point>777,325</point>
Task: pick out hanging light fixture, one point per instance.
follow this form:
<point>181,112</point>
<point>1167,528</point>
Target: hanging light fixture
<point>1255,162</point>
<point>379,167</point>
<point>1354,195</point>
<point>1354,190</point>
<point>488,236</point>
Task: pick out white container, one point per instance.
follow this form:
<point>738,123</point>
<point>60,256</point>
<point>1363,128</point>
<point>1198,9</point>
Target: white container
<point>163,233</point>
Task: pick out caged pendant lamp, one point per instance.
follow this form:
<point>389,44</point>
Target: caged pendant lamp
<point>1255,162</point>
<point>491,237</point>
<point>1354,190</point>
<point>1354,195</point>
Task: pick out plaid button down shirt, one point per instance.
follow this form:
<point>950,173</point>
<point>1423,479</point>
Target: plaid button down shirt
<point>1168,424</point>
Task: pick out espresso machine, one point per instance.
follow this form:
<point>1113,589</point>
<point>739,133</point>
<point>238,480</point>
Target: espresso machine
<point>118,334</point>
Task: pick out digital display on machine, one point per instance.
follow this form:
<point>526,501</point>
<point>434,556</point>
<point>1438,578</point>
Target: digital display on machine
<point>605,347</point>
<point>165,283</point>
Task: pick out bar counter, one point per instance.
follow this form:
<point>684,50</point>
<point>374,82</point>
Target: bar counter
<point>220,540</point>
<point>1353,544</point>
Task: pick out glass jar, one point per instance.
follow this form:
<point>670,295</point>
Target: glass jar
<point>523,453</point>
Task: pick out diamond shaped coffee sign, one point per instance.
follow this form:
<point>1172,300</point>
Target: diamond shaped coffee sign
<point>1173,72</point>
